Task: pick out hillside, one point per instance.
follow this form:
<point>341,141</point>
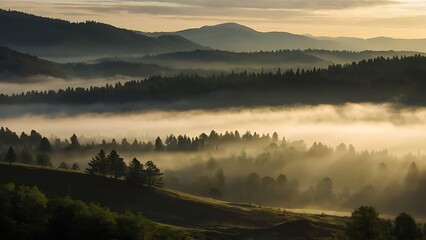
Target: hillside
<point>46,37</point>
<point>16,66</point>
<point>225,60</point>
<point>215,219</point>
<point>236,37</point>
<point>284,59</point>
<point>13,63</point>
<point>380,80</point>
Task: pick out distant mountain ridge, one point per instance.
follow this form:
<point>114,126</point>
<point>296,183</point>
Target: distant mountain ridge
<point>236,37</point>
<point>16,67</point>
<point>47,37</point>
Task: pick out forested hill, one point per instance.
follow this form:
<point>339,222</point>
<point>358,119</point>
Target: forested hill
<point>58,38</point>
<point>308,59</point>
<point>16,66</point>
<point>13,63</point>
<point>396,80</point>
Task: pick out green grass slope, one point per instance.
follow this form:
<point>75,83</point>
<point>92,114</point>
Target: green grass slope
<point>215,219</point>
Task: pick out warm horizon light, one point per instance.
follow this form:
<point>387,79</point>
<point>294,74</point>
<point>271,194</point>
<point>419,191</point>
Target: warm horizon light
<point>351,18</point>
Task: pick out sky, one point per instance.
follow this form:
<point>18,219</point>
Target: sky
<point>350,18</point>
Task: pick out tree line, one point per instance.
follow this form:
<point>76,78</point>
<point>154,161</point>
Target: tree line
<point>365,224</point>
<point>135,173</point>
<point>28,145</point>
<point>397,79</point>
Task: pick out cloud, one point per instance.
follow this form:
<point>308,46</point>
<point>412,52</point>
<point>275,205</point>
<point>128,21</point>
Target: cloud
<point>354,18</point>
<point>274,4</point>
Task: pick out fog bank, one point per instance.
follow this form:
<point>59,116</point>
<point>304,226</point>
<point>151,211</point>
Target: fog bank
<point>400,130</point>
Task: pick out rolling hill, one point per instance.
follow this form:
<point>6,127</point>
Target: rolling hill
<point>215,219</point>
<point>16,66</point>
<point>46,37</point>
<point>13,63</point>
<point>215,59</point>
<point>236,37</point>
<point>284,59</point>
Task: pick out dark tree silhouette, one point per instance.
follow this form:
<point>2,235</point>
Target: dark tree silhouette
<point>11,156</point>
<point>45,146</point>
<point>98,164</point>
<point>406,228</point>
<point>154,177</point>
<point>75,144</point>
<point>159,146</point>
<point>116,165</point>
<point>365,224</point>
<point>135,173</point>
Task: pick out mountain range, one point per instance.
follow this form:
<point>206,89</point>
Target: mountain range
<point>239,38</point>
<point>54,39</point>
<point>46,37</point>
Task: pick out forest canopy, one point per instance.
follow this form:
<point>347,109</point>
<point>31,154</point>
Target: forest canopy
<point>394,80</point>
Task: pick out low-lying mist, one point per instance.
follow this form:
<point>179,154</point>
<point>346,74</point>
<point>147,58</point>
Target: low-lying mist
<point>400,130</point>
<point>17,85</point>
<point>303,165</point>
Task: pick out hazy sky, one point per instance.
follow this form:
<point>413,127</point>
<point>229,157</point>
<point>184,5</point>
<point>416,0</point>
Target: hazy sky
<point>360,18</point>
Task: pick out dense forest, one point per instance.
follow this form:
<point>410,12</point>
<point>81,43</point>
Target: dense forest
<point>396,80</point>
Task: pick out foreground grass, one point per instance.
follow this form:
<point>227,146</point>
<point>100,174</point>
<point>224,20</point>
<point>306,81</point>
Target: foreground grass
<point>215,219</point>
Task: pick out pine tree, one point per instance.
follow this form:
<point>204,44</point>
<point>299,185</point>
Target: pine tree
<point>116,165</point>
<point>75,144</point>
<point>159,146</point>
<point>135,173</point>
<point>11,156</point>
<point>153,175</point>
<point>45,146</point>
<point>98,164</point>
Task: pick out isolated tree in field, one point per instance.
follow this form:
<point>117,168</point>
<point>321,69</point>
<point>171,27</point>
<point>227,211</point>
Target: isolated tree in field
<point>406,228</point>
<point>159,146</point>
<point>154,178</point>
<point>116,165</point>
<point>11,156</point>
<point>45,146</point>
<point>364,224</point>
<point>98,164</point>
<point>135,173</point>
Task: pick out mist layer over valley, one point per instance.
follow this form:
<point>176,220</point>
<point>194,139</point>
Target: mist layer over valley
<point>366,126</point>
<point>288,157</point>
